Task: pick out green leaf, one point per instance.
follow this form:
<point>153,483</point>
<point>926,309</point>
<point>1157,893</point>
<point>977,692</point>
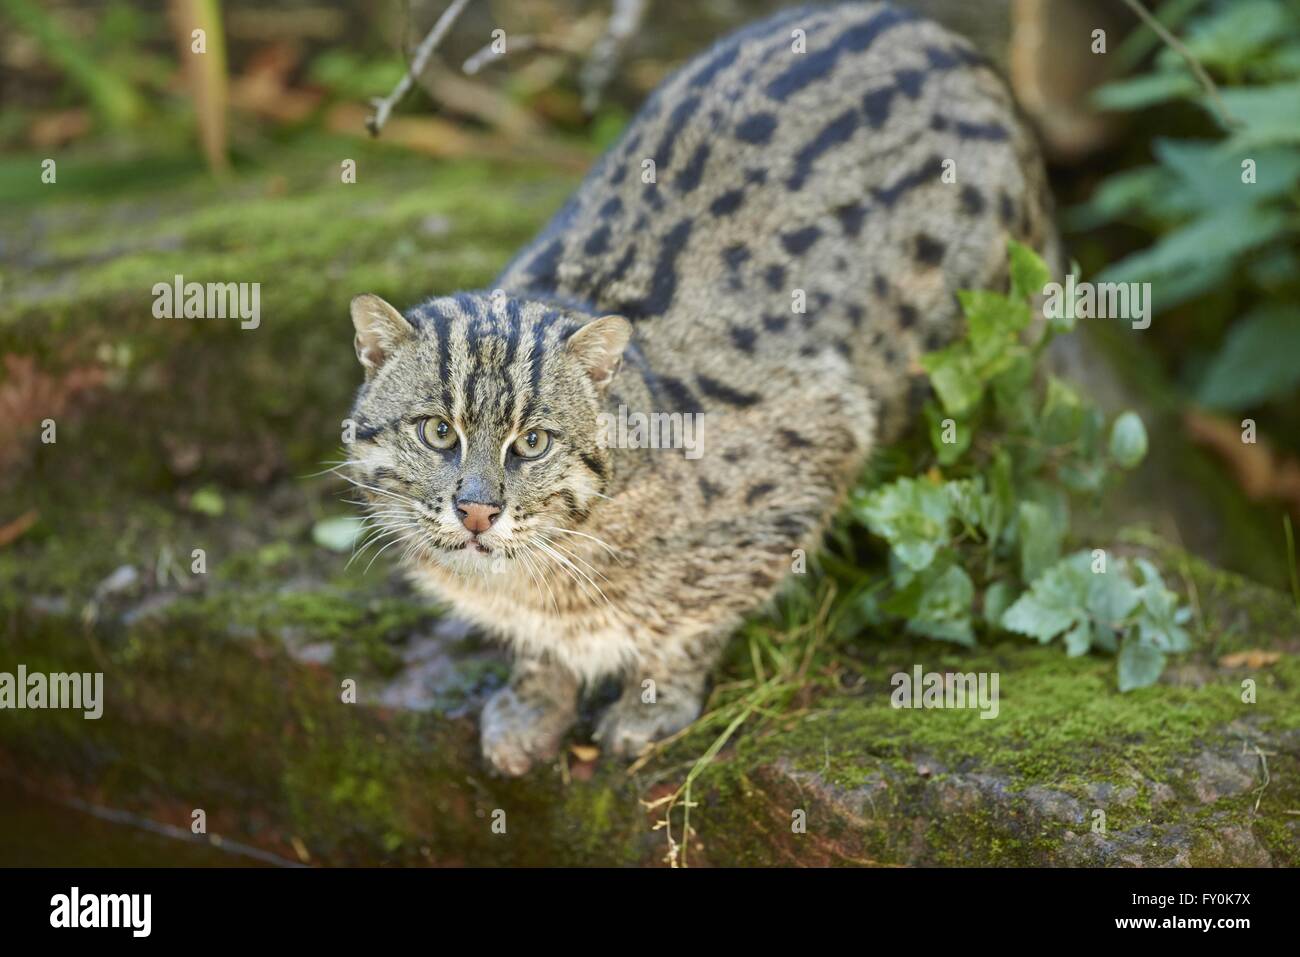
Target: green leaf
<point>1209,174</point>
<point>1083,477</point>
<point>947,452</point>
<point>993,319</point>
<point>1040,539</point>
<point>971,505</point>
<point>1029,274</point>
<point>1062,420</point>
<point>953,375</point>
<point>1236,35</point>
<point>1001,482</point>
<point>1270,114</point>
<point>1146,90</point>
<point>1139,664</point>
<point>1011,386</point>
<point>1205,242</point>
<point>1078,640</point>
<point>1119,195</point>
<point>1112,598</point>
<point>1257,362</point>
<point>1161,619</point>
<point>997,599</point>
<point>912,515</point>
<point>338,533</point>
<point>1128,440</point>
<point>208,501</point>
<point>944,609</point>
<point>1054,603</point>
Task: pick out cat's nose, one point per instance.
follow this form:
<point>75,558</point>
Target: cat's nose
<point>477,516</point>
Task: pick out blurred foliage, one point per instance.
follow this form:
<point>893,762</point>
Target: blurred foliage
<point>1220,204</point>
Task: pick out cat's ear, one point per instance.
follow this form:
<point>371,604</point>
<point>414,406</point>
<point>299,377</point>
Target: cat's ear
<point>380,329</point>
<point>599,346</point>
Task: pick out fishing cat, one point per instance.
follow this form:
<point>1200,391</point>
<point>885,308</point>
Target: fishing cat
<point>764,254</point>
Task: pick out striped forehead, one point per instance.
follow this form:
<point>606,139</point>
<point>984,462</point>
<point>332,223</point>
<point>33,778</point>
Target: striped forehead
<point>491,354</point>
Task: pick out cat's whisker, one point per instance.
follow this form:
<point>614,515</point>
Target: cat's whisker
<point>568,531</point>
<point>577,558</point>
<point>548,560</point>
<point>396,541</point>
<point>333,467</point>
<point>573,569</point>
<point>384,531</point>
<point>379,491</point>
<point>525,553</point>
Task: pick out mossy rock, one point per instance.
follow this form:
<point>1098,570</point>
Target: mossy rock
<point>228,696</point>
<point>224,688</point>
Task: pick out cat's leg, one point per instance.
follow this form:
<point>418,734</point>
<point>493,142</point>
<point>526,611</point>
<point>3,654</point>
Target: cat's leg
<point>662,696</point>
<point>524,723</point>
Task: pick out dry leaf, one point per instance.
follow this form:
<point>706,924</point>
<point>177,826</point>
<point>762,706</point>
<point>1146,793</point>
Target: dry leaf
<point>1262,473</point>
<point>1255,658</point>
<point>584,752</point>
<point>12,531</point>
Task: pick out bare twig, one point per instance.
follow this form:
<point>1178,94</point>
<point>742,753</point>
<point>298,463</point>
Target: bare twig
<point>599,69</point>
<point>383,107</point>
<point>489,53</point>
<point>1176,45</point>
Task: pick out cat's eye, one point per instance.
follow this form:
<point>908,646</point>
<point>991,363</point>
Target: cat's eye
<point>436,434</point>
<point>532,444</point>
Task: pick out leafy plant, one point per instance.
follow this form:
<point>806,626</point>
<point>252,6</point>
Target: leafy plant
<point>979,537</point>
<point>1224,211</point>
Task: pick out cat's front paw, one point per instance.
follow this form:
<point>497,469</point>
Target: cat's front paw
<point>630,725</point>
<point>517,733</point>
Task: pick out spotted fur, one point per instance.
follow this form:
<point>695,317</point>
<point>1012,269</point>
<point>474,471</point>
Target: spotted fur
<point>780,178</point>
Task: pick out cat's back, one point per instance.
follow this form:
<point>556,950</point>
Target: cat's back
<point>825,178</point>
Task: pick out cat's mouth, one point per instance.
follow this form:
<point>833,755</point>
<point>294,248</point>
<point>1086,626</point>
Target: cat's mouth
<point>474,546</point>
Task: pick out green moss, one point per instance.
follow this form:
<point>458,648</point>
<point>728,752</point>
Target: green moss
<point>1062,729</point>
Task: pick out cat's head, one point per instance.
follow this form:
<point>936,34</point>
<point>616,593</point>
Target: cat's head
<point>476,432</point>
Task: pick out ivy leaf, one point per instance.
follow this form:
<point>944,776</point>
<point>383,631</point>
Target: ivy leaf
<point>1112,597</point>
<point>1128,440</point>
<point>947,452</point>
<point>944,607</point>
<point>1010,388</point>
<point>1083,477</point>
<point>912,515</point>
<point>997,599</point>
<point>1078,640</point>
<point>1040,539</point>
<point>994,321</point>
<point>1029,273</point>
<point>971,505</point>
<point>1140,664</point>
<point>1062,419</point>
<point>1161,619</point>
<point>953,375</point>
<point>1055,602</point>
